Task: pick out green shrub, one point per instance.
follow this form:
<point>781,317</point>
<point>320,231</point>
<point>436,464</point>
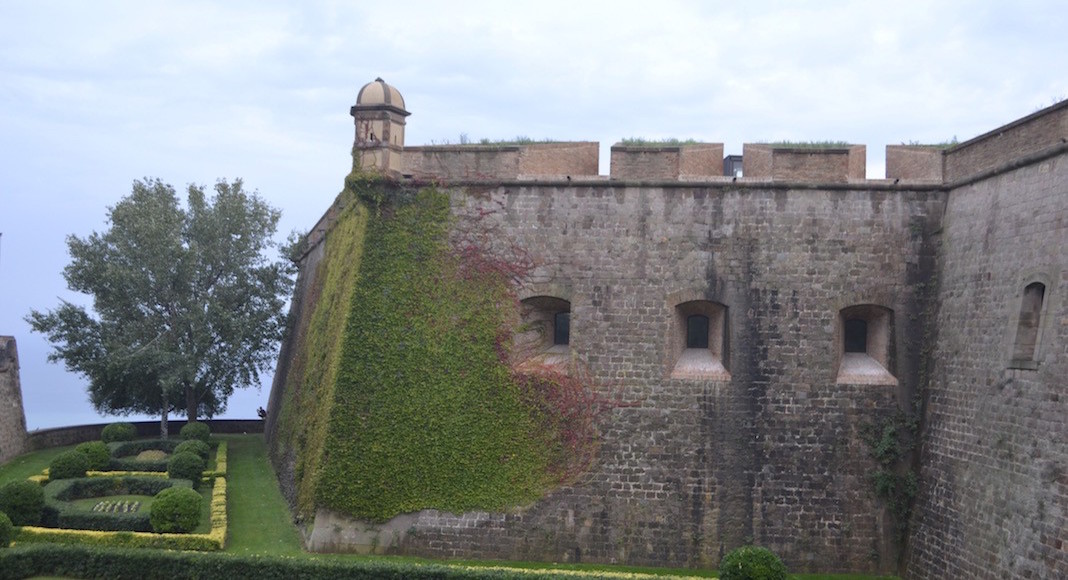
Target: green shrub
<point>133,448</point>
<point>752,563</point>
<point>22,501</point>
<point>118,432</point>
<point>194,446</point>
<point>67,465</point>
<point>98,453</point>
<point>195,430</point>
<point>7,530</point>
<point>186,466</point>
<point>176,510</point>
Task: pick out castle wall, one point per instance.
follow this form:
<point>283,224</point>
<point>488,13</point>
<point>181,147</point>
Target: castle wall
<point>12,418</point>
<point>690,468</point>
<point>993,498</point>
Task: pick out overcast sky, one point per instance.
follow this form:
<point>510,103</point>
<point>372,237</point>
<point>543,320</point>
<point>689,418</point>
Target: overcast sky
<point>96,94</point>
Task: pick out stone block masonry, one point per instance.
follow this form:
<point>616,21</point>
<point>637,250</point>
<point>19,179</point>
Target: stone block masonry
<point>994,481</point>
<point>956,266</point>
<point>12,418</point>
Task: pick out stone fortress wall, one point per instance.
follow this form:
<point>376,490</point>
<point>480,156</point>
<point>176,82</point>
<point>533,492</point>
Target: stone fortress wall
<point>760,441</point>
<point>12,418</point>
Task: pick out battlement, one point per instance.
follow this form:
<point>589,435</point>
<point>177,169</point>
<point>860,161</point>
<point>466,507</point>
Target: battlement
<point>497,162</point>
<point>380,118</point>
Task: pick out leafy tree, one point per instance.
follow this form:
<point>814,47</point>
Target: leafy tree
<point>187,308</point>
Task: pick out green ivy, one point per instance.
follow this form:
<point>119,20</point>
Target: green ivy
<point>890,443</point>
<point>309,392</point>
<point>425,413</point>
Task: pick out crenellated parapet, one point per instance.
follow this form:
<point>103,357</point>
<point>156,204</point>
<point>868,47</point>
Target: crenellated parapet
<point>502,161</point>
<point>835,164</point>
<point>688,161</point>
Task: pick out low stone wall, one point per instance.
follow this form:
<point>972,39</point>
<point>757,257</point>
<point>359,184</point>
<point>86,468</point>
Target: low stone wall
<point>72,435</point>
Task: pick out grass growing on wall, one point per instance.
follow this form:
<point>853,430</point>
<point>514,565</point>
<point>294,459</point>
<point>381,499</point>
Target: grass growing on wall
<point>310,384</point>
<point>425,413</point>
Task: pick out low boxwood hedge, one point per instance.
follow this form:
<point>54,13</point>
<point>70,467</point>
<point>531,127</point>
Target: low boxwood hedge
<point>98,453</point>
<point>195,430</point>
<point>59,514</point>
<point>68,464</point>
<point>118,432</point>
<point>96,562</point>
<point>124,455</point>
<point>23,502</point>
<point>213,540</point>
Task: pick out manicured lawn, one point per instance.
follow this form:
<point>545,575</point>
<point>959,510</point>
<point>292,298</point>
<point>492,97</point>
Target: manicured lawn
<point>259,520</point>
<point>27,464</point>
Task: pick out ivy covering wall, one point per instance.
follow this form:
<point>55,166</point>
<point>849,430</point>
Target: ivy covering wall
<point>400,397</point>
<point>312,377</point>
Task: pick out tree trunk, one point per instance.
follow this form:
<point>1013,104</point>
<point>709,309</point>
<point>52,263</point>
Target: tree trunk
<point>190,403</point>
<point>163,422</point>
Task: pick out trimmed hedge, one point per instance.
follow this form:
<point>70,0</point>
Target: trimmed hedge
<point>195,430</point>
<point>128,448</point>
<point>194,446</point>
<point>58,514</point>
<point>23,502</point>
<point>751,563</point>
<point>7,530</point>
<point>67,465</point>
<point>118,432</point>
<point>124,455</point>
<point>97,452</point>
<point>96,562</point>
<point>176,510</point>
<point>186,466</point>
<point>212,541</point>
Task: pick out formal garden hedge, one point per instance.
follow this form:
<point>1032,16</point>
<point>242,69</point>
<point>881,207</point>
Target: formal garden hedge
<point>114,563</point>
<point>101,528</point>
<point>59,513</point>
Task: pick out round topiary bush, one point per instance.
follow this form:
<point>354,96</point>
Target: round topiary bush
<point>195,430</point>
<point>751,563</point>
<point>23,502</point>
<point>97,452</point>
<point>7,531</point>
<point>175,510</point>
<point>194,446</point>
<point>67,465</point>
<point>186,465</point>
<point>118,432</point>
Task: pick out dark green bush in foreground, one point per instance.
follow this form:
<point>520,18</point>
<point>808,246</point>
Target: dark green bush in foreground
<point>194,446</point>
<point>176,510</point>
<point>22,501</point>
<point>195,430</point>
<point>752,563</point>
<point>68,465</point>
<point>185,466</point>
<point>118,432</point>
<point>97,452</point>
<point>7,530</point>
<point>74,561</point>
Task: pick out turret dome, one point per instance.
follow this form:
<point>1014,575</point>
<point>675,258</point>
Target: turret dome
<point>378,92</point>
